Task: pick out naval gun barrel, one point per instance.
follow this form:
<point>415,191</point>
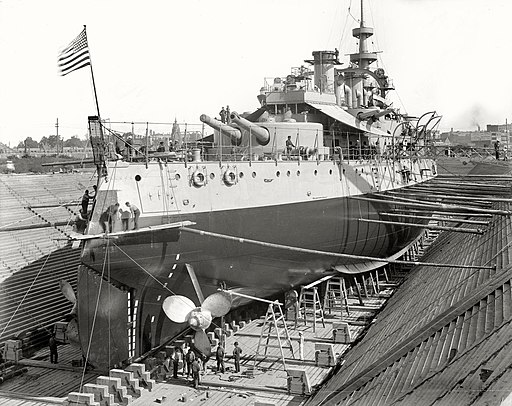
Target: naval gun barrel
<point>262,135</point>
<point>374,114</point>
<point>234,133</point>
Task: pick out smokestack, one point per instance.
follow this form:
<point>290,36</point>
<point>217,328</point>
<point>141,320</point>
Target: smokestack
<point>478,126</point>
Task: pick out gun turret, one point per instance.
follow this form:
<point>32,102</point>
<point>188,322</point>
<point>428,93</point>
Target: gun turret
<point>262,135</point>
<point>234,133</point>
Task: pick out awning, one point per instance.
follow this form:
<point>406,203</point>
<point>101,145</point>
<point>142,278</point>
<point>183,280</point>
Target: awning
<point>336,112</point>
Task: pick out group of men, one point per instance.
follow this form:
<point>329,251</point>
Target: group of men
<point>115,212</point>
<point>190,362</point>
<point>225,115</point>
<point>220,353</point>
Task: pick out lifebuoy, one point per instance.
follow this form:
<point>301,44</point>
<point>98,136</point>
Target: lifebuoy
<point>198,178</point>
<point>229,177</point>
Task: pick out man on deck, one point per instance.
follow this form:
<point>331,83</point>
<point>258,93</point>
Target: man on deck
<point>135,214</point>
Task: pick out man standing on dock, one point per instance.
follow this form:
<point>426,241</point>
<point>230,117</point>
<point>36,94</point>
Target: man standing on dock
<point>219,355</point>
<point>190,358</point>
<point>52,343</point>
<point>237,352</point>
<point>195,372</point>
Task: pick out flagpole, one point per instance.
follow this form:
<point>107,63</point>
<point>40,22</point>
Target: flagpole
<point>92,75</point>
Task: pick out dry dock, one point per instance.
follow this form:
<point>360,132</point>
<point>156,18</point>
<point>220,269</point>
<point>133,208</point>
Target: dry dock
<point>263,380</point>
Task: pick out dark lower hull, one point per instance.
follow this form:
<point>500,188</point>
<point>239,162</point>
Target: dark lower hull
<point>139,274</point>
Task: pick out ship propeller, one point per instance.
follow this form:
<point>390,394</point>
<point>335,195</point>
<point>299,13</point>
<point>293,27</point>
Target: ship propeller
<point>72,327</point>
<point>181,309</point>
<point>67,291</point>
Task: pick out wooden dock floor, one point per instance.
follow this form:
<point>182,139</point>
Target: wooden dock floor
<point>49,384</point>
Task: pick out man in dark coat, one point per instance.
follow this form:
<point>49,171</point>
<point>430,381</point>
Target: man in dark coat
<point>219,355</point>
<point>190,358</point>
<point>85,201</point>
<point>52,343</point>
<point>237,352</point>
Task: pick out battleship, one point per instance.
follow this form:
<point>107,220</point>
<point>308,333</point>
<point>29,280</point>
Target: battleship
<point>259,204</point>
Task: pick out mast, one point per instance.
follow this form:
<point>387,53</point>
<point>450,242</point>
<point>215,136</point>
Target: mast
<point>363,58</point>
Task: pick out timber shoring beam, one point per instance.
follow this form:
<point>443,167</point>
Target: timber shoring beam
<point>427,226</point>
<point>451,213</point>
<point>327,253</point>
<point>413,203</point>
<point>409,343</point>
<point>444,219</point>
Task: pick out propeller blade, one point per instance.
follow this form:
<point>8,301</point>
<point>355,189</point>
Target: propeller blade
<point>218,304</point>
<point>72,333</point>
<point>202,343</point>
<point>195,282</point>
<point>178,307</point>
<point>67,290</point>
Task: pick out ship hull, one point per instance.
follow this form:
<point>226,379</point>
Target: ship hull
<point>143,271</point>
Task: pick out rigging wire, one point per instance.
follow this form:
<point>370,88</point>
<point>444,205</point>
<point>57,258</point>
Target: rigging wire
<point>26,294</point>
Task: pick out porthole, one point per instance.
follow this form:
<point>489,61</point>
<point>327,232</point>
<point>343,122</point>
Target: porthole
<point>298,173</point>
<point>177,176</point>
<point>137,178</point>
<point>316,172</point>
<point>288,173</point>
<point>212,175</point>
<point>254,174</point>
<point>278,173</point>
<point>240,175</point>
<point>330,171</point>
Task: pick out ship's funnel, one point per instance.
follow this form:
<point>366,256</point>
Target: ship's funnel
<point>262,135</point>
<point>222,128</point>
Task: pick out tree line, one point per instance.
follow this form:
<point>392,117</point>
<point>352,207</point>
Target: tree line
<point>53,143</point>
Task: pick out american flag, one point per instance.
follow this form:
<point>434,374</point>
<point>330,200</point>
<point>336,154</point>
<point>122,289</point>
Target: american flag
<point>75,55</point>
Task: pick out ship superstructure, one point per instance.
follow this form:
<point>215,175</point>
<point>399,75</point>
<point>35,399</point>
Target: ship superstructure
<point>257,203</point>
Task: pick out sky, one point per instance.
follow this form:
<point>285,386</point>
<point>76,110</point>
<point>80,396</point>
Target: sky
<point>161,60</point>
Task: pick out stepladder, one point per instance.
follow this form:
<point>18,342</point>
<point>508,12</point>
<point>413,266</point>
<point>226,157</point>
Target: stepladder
<point>335,297</point>
<point>274,334</point>
<point>310,305</point>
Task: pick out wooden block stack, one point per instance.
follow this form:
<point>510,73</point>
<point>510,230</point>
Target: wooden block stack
<point>79,399</point>
<point>341,333</point>
<point>234,326</point>
<point>115,388</point>
<point>12,350</point>
<point>100,392</point>
<point>139,373</point>
<point>127,380</point>
<point>298,382</point>
<point>324,355</point>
